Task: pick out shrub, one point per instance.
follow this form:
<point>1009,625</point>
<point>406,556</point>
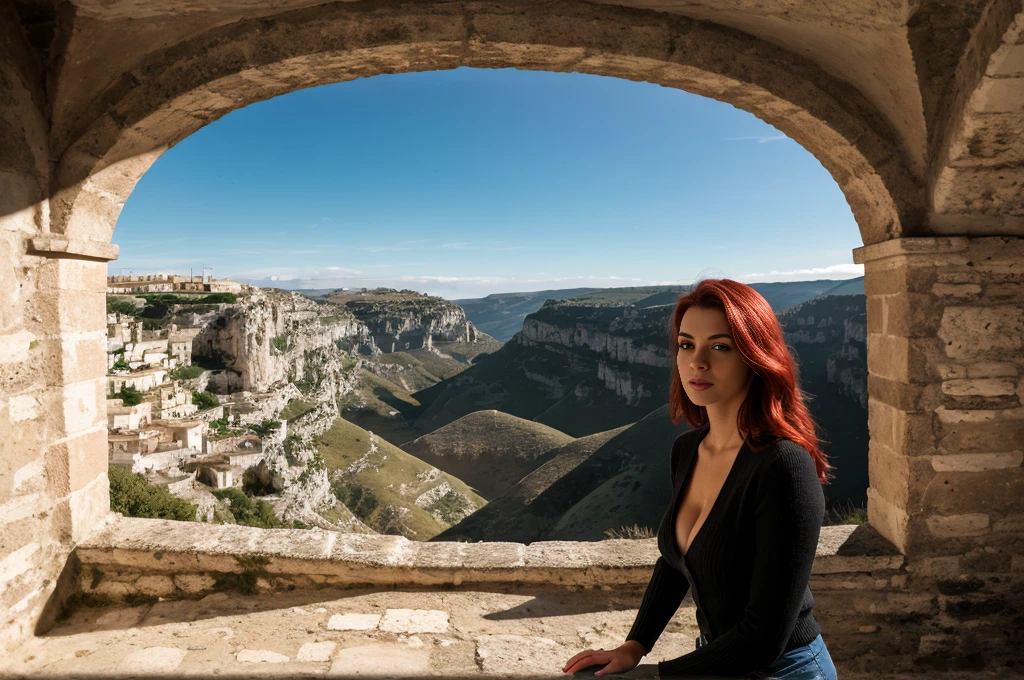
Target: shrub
<point>130,395</point>
<point>633,532</point>
<point>187,372</point>
<point>118,306</point>
<point>121,365</point>
<point>205,400</point>
<point>391,521</point>
<point>133,496</point>
<point>846,513</point>
<point>280,343</point>
<point>450,508</point>
<point>357,497</point>
<point>264,428</point>
<point>249,512</point>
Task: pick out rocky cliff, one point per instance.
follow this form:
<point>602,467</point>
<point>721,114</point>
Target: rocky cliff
<point>406,320</point>
<point>270,337</point>
<point>578,366</point>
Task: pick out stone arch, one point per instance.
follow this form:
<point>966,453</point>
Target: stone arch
<point>178,90</point>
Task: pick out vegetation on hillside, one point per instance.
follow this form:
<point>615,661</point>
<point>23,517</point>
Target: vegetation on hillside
<point>249,511</point>
<point>381,483</point>
<point>187,372</point>
<point>116,305</point>
<point>205,400</point>
<point>295,408</point>
<point>133,496</point>
<point>130,395</point>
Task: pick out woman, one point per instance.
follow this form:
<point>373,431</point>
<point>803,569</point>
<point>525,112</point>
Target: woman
<point>742,526</point>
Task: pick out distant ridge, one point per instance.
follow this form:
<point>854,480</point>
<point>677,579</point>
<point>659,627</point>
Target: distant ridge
<point>501,315</point>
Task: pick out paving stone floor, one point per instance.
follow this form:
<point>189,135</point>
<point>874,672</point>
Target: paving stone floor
<point>350,633</point>
<point>359,632</point>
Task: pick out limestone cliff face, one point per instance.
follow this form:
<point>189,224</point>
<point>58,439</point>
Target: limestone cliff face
<point>269,337</point>
<point>625,342</point>
<point>404,323</point>
<point>847,368</point>
<point>830,335</point>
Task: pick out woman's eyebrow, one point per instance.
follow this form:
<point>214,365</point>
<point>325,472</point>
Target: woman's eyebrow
<point>710,337</point>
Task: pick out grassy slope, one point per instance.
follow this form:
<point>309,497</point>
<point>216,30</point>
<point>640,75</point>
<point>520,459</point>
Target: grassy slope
<point>512,515</point>
<point>388,468</point>
<point>625,482</point>
<point>489,449</point>
<point>371,407</point>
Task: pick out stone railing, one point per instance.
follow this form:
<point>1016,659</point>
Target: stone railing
<point>865,599</point>
<point>132,557</point>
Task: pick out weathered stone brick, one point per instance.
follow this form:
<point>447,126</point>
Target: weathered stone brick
<point>980,387</point>
<point>956,290</point>
<point>935,567</point>
<point>972,524</point>
<point>912,315</point>
<point>905,396</point>
<point>982,333</point>
<point>890,279</point>
<point>992,369</point>
<point>978,430</point>
<point>888,357</point>
<point>87,457</point>
<point>988,492</point>
<point>977,462</point>
<point>888,518</point>
<point>876,314</point>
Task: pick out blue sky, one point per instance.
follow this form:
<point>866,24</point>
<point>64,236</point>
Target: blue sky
<point>473,181</point>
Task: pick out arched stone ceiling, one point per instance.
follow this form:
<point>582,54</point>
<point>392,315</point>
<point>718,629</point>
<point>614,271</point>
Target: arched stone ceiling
<point>105,146</point>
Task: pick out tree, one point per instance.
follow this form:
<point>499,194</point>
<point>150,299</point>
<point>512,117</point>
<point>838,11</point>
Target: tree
<point>205,400</point>
<point>133,496</point>
<point>130,395</point>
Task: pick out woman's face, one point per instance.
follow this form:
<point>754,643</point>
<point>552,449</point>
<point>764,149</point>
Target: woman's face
<point>707,352</point>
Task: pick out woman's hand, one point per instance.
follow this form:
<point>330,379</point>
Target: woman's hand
<point>623,658</point>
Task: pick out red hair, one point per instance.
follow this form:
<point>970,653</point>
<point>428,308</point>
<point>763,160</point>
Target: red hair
<point>774,407</point>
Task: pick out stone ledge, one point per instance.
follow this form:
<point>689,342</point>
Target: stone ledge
<point>149,546</point>
<point>56,246</point>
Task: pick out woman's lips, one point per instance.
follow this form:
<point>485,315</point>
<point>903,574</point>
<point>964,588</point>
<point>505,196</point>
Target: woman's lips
<point>700,385</point>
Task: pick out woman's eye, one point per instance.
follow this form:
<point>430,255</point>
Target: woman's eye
<point>685,345</point>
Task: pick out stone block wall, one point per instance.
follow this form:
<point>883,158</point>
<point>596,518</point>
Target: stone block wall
<point>53,483</point>
<point>945,321</point>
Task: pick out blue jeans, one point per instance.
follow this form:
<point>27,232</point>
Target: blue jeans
<point>810,662</point>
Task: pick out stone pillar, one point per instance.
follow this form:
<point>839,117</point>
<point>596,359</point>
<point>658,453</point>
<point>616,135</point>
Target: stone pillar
<point>53,483</point>
<point>945,319</point>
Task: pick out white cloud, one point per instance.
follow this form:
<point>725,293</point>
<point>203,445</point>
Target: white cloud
<point>841,271</point>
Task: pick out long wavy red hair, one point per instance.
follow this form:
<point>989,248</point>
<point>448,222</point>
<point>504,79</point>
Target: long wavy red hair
<point>774,407</point>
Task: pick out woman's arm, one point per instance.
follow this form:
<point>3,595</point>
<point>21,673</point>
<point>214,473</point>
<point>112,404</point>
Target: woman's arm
<point>664,594</point>
<point>789,511</point>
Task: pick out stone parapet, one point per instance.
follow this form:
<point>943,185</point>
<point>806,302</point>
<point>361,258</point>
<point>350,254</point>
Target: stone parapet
<point>128,549</point>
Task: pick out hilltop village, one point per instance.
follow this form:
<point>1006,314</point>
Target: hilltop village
<point>388,411</point>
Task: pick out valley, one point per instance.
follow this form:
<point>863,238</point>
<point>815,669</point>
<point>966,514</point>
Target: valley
<point>387,411</point>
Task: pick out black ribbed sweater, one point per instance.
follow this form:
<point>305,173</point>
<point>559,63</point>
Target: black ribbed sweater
<point>748,566</point>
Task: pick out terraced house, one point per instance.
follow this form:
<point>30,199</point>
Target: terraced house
<point>915,108</point>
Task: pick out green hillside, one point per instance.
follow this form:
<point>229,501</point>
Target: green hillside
<point>390,490</point>
<point>489,450</point>
<point>512,515</point>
